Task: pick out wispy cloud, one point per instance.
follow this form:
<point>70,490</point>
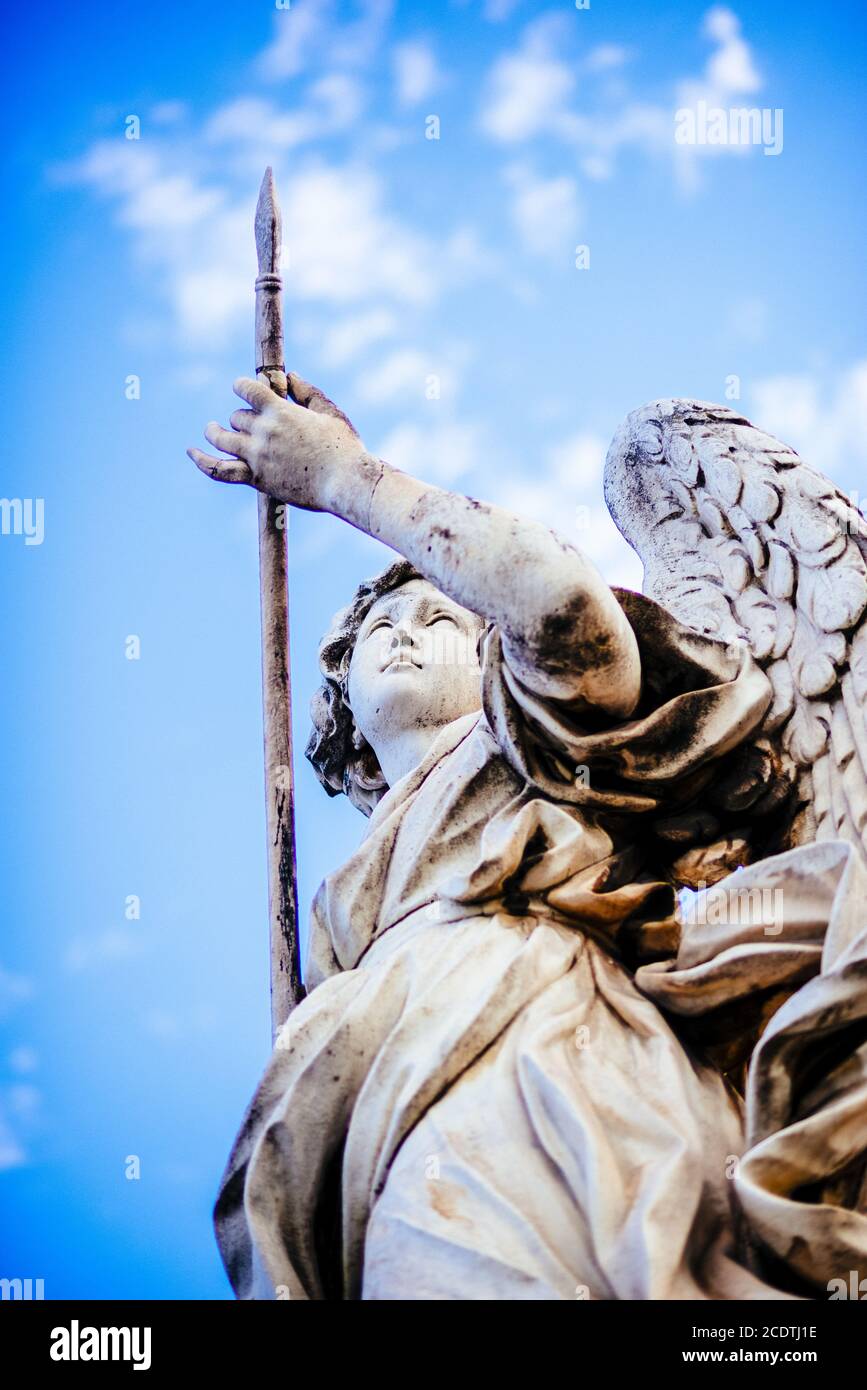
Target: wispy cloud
<point>198,1020</point>
<point>730,74</point>
<point>564,491</point>
<point>345,247</point>
<point>731,67</point>
<point>439,452</point>
<point>606,56</point>
<point>12,1151</point>
<point>19,1109</point>
<point>14,989</point>
<point>345,339</point>
<point>331,106</point>
<point>406,375</point>
<point>366,272</point>
<point>308,35</point>
<point>184,194</point>
<point>546,211</point>
<point>23,1059</point>
<point>530,88</point>
<point>417,75</point>
<point>534,91</point>
<point>823,417</point>
<point>496,11</point>
<point>108,947</point>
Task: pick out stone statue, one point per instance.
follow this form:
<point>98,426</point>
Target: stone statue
<point>525,1069</point>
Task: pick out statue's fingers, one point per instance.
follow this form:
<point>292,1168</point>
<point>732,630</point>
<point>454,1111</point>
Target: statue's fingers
<point>228,440</point>
<point>222,470</point>
<point>243,420</point>
<point>311,397</point>
<point>301,390</point>
<point>256,393</point>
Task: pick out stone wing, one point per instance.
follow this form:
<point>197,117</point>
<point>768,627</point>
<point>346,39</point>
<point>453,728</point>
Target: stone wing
<point>743,541</point>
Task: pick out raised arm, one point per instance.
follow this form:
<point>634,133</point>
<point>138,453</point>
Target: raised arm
<point>564,633</point>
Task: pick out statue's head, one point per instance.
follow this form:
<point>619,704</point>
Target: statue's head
<point>401,655</point>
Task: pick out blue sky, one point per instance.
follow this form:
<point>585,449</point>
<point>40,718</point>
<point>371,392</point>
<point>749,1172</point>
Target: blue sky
<point>432,290</point>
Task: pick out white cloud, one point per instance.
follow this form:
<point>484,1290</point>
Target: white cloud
<point>358,42</point>
<point>115,944</point>
<point>597,166</point>
<point>19,1105</point>
<point>298,34</point>
<point>345,339</point>
<point>187,195</point>
<point>605,57</point>
<point>12,1152</point>
<point>578,462</point>
<point>531,92</point>
<point>196,1020</point>
<point>495,11</point>
<point>437,453</point>
<point>546,212</point>
<point>168,112</point>
<point>342,246</point>
<point>731,68</point>
<point>825,421</point>
<point>730,74</point>
<point>151,197</point>
<point>170,202</point>
<point>23,1099</point>
<point>23,1059</point>
<point>308,34</point>
<point>404,373</point>
<point>528,89</point>
<point>345,248</point>
<point>562,488</point>
<point>331,105</point>
<point>566,494</point>
<point>14,989</point>
<point>415,71</point>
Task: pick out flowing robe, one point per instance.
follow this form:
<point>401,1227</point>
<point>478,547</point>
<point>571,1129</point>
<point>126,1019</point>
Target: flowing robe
<point>483,1098</point>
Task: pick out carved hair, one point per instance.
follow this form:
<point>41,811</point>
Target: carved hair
<point>342,758</point>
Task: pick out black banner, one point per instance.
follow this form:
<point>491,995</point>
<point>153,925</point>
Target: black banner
<point>65,1338</point>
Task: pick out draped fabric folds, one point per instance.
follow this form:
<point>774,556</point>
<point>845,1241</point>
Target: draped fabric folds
<point>482,1097</point>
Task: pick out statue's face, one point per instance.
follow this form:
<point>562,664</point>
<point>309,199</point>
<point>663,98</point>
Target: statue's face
<point>414,664</point>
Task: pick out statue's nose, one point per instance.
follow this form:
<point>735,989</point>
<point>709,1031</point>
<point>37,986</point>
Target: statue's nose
<point>403,646</point>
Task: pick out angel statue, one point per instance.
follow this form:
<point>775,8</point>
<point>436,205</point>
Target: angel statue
<point>530,1065</point>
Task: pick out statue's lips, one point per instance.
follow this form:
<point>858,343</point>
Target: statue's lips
<point>401,664</point>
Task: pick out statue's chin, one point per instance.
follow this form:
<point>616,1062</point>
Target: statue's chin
<point>407,699</point>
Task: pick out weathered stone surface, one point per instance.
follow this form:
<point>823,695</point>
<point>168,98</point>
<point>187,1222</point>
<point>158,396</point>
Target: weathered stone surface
<point>522,1072</point>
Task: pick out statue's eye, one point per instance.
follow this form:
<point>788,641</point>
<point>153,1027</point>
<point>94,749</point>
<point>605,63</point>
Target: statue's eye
<point>379,624</point>
<point>443,618</point>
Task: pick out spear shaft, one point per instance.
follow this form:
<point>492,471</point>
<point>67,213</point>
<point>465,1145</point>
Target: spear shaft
<point>286,987</point>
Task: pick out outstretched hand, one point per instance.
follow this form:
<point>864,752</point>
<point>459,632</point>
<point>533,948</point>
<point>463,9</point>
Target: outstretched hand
<point>295,450</point>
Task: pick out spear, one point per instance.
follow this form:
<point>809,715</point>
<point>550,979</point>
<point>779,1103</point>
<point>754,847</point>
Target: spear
<point>286,987</point>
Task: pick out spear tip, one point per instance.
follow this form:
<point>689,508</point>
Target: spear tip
<point>268,226</point>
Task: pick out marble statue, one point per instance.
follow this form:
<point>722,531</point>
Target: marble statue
<point>530,1064</point>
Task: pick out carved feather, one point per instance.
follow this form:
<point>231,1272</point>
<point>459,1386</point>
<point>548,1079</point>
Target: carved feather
<point>741,540</point>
